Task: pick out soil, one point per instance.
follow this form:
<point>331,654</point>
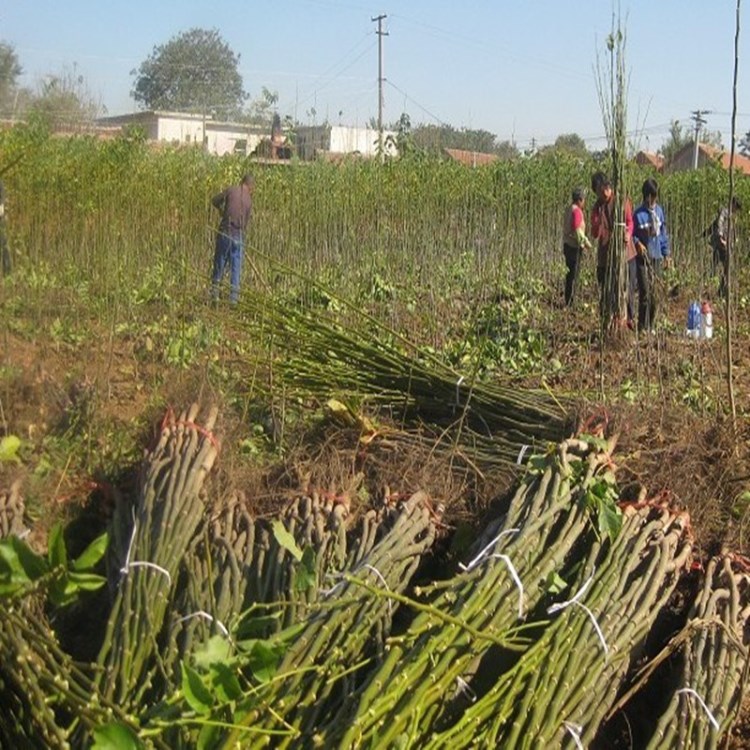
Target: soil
<point>666,398</point>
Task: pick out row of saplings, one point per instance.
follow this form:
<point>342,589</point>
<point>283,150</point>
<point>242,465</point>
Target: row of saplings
<point>220,630</point>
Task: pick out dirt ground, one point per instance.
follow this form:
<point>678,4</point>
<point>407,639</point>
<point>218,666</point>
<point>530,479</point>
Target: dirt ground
<point>665,396</point>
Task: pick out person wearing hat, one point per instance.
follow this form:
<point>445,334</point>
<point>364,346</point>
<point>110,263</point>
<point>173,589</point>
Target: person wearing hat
<point>575,242</point>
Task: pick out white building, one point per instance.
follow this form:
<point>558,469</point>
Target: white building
<point>186,128</point>
<point>338,140</point>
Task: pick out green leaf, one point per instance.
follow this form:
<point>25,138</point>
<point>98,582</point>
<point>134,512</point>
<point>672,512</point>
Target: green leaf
<point>197,695</point>
<point>62,592</point>
<point>57,555</point>
<point>305,576</point>
<point>115,737</point>
<point>258,626</point>
<point>86,581</point>
<point>594,441</point>
<point>19,565</point>
<point>741,504</point>
<point>609,520</point>
<point>209,737</point>
<point>215,650</point>
<point>263,660</point>
<point>556,584</point>
<point>286,540</point>
<point>9,446</point>
<point>225,683</point>
<point>92,554</point>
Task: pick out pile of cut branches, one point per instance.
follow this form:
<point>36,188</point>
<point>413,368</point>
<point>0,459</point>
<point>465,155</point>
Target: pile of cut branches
<point>318,627</point>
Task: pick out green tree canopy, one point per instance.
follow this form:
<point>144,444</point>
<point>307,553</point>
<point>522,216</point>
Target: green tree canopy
<point>63,100</point>
<point>571,143</point>
<point>10,69</point>
<point>680,137</point>
<point>434,138</point>
<point>195,71</point>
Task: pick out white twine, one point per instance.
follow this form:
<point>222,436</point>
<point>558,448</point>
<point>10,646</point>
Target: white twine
<point>327,592</point>
<point>575,601</point>
<point>154,566</point>
<point>517,579</point>
<point>575,732</point>
<point>521,454</point>
<point>458,392</point>
<point>127,565</point>
<point>700,700</point>
<point>206,616</point>
<point>485,551</point>
<point>464,687</point>
<point>367,566</point>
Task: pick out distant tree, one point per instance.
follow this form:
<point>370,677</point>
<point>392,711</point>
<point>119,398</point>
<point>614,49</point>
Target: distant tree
<point>571,143</point>
<point>507,150</point>
<point>403,141</point>
<point>679,137</point>
<point>195,71</point>
<point>10,70</point>
<point>744,144</point>
<point>261,110</point>
<point>64,100</point>
<point>434,138</point>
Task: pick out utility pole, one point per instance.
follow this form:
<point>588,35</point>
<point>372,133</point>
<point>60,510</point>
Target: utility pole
<point>380,34</point>
<point>697,118</point>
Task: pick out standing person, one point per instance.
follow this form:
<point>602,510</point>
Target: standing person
<point>575,242</point>
<point>719,238</point>
<point>4,252</point>
<point>602,228</point>
<point>652,247</point>
<point>235,204</point>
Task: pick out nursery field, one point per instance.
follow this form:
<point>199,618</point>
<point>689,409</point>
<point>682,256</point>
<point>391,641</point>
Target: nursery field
<point>399,496</point>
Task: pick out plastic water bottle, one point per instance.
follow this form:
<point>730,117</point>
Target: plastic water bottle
<point>707,320</point>
<point>694,320</point>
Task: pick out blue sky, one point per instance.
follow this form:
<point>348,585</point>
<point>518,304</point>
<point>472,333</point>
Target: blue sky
<point>523,70</point>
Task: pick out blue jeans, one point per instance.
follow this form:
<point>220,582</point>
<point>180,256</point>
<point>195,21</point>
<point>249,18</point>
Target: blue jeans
<point>228,252</point>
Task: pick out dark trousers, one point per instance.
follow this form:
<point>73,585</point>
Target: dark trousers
<point>4,251</point>
<point>573,262</point>
<point>647,270</point>
<point>719,266</point>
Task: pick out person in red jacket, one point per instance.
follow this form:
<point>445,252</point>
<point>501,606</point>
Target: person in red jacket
<point>602,229</point>
<point>575,242</point>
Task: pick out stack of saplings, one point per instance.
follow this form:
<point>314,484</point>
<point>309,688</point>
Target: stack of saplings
<point>488,422</point>
<point>152,536</point>
<point>305,629</point>
<point>342,638</point>
<point>714,661</point>
<point>429,669</point>
<point>564,685</point>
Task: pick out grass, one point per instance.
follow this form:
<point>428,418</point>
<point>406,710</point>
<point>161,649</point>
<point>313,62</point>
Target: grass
<point>112,245</point>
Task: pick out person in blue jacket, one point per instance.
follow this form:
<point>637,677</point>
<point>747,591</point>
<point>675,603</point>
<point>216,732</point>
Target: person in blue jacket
<point>652,248</point>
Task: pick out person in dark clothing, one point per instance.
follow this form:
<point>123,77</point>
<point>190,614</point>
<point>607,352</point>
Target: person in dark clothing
<point>575,242</point>
<point>4,251</point>
<point>235,204</point>
<point>719,239</point>
<point>652,246</point>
